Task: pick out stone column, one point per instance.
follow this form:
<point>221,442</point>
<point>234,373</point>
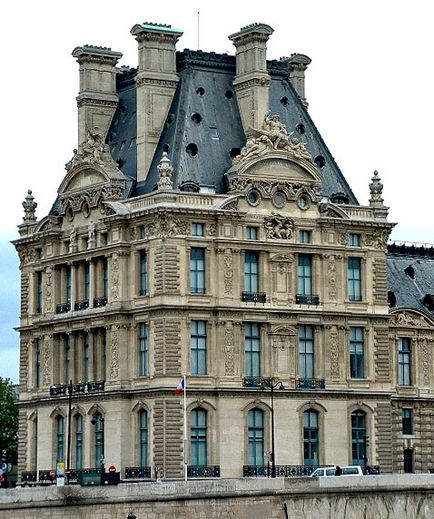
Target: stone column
<point>92,280</point>
<point>73,285</point>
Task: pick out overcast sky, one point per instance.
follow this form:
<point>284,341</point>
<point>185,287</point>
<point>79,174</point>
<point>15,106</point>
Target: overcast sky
<point>370,90</point>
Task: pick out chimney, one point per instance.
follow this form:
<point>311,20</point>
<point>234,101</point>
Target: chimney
<point>297,65</point>
<point>97,100</point>
<point>156,85</point>
<point>252,80</point>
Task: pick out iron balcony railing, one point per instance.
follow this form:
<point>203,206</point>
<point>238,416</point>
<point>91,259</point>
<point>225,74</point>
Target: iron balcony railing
<point>302,299</point>
<point>282,471</point>
<point>28,476</point>
<point>63,308</point>
<point>254,297</point>
<point>252,382</point>
<point>310,383</point>
<point>203,471</point>
<point>81,305</point>
<point>82,387</point>
<point>72,474</point>
<point>138,472</point>
<point>100,301</point>
<point>47,476</point>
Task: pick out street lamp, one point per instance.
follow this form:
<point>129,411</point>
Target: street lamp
<point>271,383</point>
<point>96,420</point>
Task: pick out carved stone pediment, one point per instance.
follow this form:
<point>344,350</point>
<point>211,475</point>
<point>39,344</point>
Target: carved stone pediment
<point>48,224</point>
<point>410,319</point>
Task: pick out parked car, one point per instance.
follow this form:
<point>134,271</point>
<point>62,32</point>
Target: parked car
<point>350,470</point>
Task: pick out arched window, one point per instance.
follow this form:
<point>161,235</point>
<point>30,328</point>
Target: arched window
<point>256,437</point>
<point>143,438</point>
<point>98,439</point>
<point>78,441</point>
<point>198,437</point>
<point>310,437</point>
<point>60,438</point>
<point>358,433</point>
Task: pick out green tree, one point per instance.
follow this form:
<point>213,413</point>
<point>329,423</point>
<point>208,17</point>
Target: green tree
<point>8,419</point>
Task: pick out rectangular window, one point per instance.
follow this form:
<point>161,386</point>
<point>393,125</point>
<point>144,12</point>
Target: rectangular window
<point>104,356</point>
<point>143,273</point>
<point>86,357</point>
<point>68,283</point>
<point>306,351</point>
<point>354,240</point>
<point>198,348</point>
<point>304,236</point>
<point>38,292</point>
<point>404,361</point>
<point>251,271</point>
<point>142,232</point>
<point>197,270</point>
<point>143,350</point>
<point>304,275</point>
<point>104,278</point>
<point>252,350</point>
<point>197,229</point>
<point>407,421</point>
<point>143,418</point>
<point>198,437</point>
<point>252,233</point>
<point>354,279</point>
<point>68,358</point>
<point>37,362</point>
<point>78,441</point>
<point>86,280</point>
<point>60,433</point>
<point>357,352</point>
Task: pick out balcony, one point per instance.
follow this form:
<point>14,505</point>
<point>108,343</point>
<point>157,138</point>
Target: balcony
<point>73,474</point>
<point>255,382</point>
<point>82,387</point>
<point>302,299</point>
<point>99,302</point>
<point>63,308</point>
<point>282,471</point>
<point>81,305</point>
<point>47,476</point>
<point>28,476</point>
<point>310,383</point>
<point>203,471</point>
<point>254,297</point>
<point>138,472</point>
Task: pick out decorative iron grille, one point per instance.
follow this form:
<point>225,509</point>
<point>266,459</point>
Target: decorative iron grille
<point>254,297</point>
<point>310,383</point>
<point>81,305</point>
<point>203,471</point>
<point>99,301</point>
<point>63,308</point>
<point>302,299</point>
<point>138,473</point>
<point>282,471</point>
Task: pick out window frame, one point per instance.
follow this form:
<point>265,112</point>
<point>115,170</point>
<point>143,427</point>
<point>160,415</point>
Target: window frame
<point>252,349</point>
<point>305,236</point>
<point>356,340</point>
<point>255,437</point>
<point>251,271</point>
<point>354,279</point>
<point>407,421</point>
<point>198,347</point>
<point>313,444</point>
<point>199,437</point>
<point>304,275</point>
<point>306,358</point>
<point>60,438</point>
<point>357,437</point>
<point>404,361</point>
<point>197,270</point>
<point>79,444</point>
<point>143,272</point>
<point>143,416</point>
<point>252,233</point>
<point>354,239</point>
<point>198,229</point>
<point>143,352</point>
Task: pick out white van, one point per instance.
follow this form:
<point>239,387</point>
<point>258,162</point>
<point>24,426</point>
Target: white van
<point>350,470</point>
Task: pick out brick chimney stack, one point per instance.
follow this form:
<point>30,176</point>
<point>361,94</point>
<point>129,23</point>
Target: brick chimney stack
<point>252,80</point>
<point>156,85</point>
<point>97,99</point>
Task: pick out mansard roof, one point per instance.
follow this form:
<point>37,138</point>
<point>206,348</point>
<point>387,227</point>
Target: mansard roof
<point>410,277</point>
<point>203,129</point>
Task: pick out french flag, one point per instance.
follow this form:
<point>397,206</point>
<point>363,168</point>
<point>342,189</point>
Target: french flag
<point>180,388</point>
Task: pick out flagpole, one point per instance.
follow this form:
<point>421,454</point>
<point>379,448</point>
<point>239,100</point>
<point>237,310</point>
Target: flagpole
<point>185,427</point>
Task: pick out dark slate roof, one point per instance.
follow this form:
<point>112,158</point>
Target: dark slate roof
<point>410,276</point>
<point>206,88</point>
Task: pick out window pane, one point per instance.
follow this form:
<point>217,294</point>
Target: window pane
<point>143,438</point>
<point>252,350</point>
<point>306,351</point>
<point>197,271</point>
<point>256,437</point>
<point>407,421</point>
<point>79,442</point>
<point>357,352</point>
<point>305,274</point>
<point>251,271</point>
<point>358,432</point>
<point>404,361</point>
<point>198,437</point>
<point>354,279</point>
<point>143,350</point>
<point>60,425</point>
<point>99,438</point>
<point>143,273</point>
<point>311,438</point>
<point>252,233</point>
<point>198,346</point>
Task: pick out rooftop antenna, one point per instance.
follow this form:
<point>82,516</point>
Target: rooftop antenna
<point>198,22</point>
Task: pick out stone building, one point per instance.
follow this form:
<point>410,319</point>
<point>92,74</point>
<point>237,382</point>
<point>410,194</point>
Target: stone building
<point>204,229</point>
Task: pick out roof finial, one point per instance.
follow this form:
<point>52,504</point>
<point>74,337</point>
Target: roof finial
<point>376,189</point>
<point>29,205</point>
<point>165,169</point>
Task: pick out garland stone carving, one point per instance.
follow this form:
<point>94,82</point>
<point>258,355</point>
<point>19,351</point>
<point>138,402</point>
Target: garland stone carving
<point>272,136</point>
<point>331,277</point>
<point>426,347</point>
<point>46,373</point>
<point>48,290</point>
<point>229,351</point>
<point>228,273</point>
<point>114,362</point>
<point>278,227</point>
<point>378,239</point>
<point>115,277</point>
<point>334,354</point>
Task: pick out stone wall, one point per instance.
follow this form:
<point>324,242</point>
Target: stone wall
<point>365,497</point>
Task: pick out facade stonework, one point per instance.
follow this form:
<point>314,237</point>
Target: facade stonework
<point>130,284</point>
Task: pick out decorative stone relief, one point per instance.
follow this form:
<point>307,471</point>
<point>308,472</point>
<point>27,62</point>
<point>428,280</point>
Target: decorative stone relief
<point>378,239</point>
<point>229,351</point>
<point>48,290</point>
<point>29,206</point>
<point>405,319</point>
<point>165,225</point>
<point>115,277</point>
<point>93,151</point>
<point>228,273</point>
<point>267,189</point>
<point>343,238</point>
<point>46,369</point>
<point>376,190</point>
<point>331,277</point>
<point>278,227</point>
<point>272,136</point>
<point>91,236</point>
<point>426,346</point>
<point>212,229</point>
<point>114,360</point>
<point>334,353</point>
